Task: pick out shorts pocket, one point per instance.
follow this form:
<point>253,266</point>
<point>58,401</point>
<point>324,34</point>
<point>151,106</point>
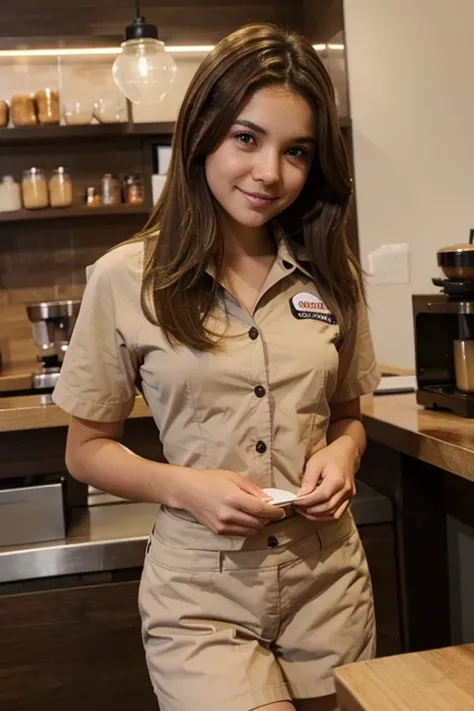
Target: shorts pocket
<point>333,533</point>
<point>181,559</point>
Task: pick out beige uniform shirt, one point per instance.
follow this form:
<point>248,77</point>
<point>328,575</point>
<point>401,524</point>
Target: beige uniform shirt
<point>260,406</point>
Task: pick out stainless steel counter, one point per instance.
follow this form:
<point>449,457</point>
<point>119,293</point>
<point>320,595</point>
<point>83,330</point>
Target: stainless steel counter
<point>101,538</point>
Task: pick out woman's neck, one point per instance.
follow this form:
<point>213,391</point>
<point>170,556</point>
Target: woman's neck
<point>242,243</point>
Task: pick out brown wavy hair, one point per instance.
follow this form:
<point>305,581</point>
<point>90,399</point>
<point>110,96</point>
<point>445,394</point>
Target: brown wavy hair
<point>182,236</point>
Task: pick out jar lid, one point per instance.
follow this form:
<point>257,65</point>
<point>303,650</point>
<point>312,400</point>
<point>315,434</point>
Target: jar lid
<point>33,171</point>
<point>60,169</point>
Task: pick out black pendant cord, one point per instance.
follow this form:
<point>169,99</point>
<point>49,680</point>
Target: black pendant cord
<point>137,8</point>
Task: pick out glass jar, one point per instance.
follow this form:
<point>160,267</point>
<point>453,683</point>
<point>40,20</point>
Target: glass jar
<point>10,195</point>
<point>133,193</point>
<point>23,110</point>
<point>34,189</point>
<point>92,197</point>
<point>110,190</point>
<point>78,113</point>
<point>60,188</point>
<point>4,114</point>
<point>108,110</point>
<point>47,104</point>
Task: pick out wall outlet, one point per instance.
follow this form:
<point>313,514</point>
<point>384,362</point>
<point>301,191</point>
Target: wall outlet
<point>389,264</point>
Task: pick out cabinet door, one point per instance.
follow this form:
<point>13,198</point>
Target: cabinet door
<point>77,649</point>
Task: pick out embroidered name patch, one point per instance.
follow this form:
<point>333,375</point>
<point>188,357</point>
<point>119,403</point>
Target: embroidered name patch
<point>306,305</point>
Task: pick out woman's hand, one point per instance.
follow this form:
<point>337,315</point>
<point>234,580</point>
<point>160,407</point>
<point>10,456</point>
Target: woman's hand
<point>328,482</point>
<point>223,501</point>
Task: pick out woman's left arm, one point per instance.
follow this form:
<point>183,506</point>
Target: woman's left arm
<point>329,478</point>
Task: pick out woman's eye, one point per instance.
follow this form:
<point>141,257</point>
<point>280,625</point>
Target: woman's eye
<point>245,139</point>
<point>297,152</point>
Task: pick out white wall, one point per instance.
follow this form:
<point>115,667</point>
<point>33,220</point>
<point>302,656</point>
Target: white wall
<point>411,83</point>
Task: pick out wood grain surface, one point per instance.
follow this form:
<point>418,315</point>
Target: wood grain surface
<point>438,438</point>
<point>26,412</point>
<point>178,21</point>
<point>436,680</point>
<point>76,649</point>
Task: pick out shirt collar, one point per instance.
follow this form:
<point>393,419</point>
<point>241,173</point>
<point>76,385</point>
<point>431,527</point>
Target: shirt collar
<point>290,252</point>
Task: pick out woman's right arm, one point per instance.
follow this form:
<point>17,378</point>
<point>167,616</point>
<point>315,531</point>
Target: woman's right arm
<point>225,502</point>
<point>95,455</point>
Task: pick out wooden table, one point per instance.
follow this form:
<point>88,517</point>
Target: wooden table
<point>436,680</point>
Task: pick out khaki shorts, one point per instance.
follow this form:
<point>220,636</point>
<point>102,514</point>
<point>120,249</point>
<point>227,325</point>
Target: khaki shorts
<point>235,624</point>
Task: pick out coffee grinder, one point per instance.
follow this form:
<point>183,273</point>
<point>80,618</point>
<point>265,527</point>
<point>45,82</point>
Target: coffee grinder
<point>52,323</point>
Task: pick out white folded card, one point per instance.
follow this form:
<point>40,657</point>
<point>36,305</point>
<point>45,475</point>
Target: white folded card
<point>280,496</point>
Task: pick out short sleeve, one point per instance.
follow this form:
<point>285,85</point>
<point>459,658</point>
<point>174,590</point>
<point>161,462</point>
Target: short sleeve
<point>358,373</point>
<point>98,376</point>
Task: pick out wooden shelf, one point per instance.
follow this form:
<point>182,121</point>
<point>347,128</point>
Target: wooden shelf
<point>51,213</point>
<point>92,132</point>
<point>43,134</point>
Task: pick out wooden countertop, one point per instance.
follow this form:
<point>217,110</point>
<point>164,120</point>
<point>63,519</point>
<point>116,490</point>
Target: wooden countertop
<point>17,377</point>
<point>25,412</point>
<point>439,438</point>
<point>436,680</point>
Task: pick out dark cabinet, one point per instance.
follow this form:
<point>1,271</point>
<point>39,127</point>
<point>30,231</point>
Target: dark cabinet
<point>77,649</point>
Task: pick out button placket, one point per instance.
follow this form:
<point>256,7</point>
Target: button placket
<point>263,443</point>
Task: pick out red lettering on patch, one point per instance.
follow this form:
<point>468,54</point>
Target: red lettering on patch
<point>312,305</point>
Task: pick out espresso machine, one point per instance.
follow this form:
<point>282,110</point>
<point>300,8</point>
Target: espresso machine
<point>52,324</point>
<point>444,334</point>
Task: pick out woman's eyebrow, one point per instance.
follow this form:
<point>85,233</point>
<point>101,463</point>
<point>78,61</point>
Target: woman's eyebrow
<point>258,129</point>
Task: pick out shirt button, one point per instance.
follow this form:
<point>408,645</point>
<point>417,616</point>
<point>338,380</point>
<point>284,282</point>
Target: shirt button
<point>260,391</point>
<point>253,333</point>
<point>272,542</point>
<point>261,447</point>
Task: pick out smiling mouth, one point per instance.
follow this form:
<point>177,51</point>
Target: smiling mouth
<point>258,198</point>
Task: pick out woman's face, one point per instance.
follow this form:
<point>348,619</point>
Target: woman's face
<point>261,166</point>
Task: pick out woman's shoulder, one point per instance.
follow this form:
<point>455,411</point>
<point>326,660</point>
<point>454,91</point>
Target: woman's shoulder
<point>122,264</point>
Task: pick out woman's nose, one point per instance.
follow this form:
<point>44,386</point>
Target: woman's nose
<point>267,167</point>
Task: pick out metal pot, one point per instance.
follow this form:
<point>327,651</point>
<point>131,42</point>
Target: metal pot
<point>457,261</point>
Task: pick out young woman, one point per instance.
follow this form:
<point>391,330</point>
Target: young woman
<point>239,313</point>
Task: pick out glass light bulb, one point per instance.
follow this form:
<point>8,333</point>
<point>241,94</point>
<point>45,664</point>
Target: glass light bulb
<point>144,71</point>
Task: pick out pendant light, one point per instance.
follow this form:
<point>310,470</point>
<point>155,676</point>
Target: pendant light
<point>143,71</point>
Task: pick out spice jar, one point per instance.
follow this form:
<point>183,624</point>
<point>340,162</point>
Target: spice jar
<point>60,188</point>
<point>133,193</point>
<point>34,189</point>
<point>47,104</point>
<point>110,189</point>
<point>4,114</point>
<point>92,197</point>
<point>10,195</point>
<point>23,110</point>
<point>78,113</point>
